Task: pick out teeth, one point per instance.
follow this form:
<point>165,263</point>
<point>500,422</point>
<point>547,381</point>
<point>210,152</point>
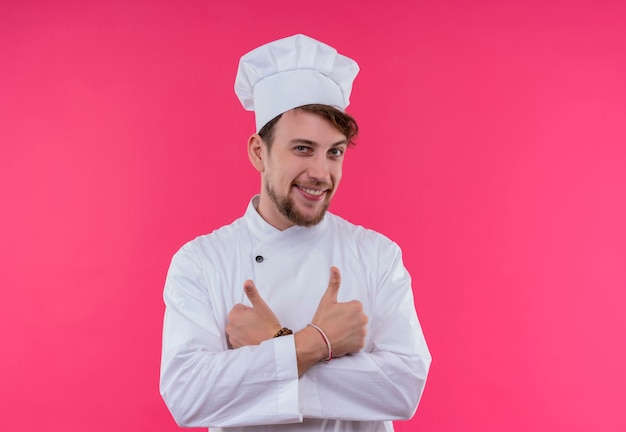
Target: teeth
<point>311,191</point>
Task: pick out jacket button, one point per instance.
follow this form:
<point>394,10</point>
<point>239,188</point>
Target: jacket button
<point>259,259</point>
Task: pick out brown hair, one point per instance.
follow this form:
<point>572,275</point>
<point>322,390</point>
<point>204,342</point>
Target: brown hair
<point>343,122</point>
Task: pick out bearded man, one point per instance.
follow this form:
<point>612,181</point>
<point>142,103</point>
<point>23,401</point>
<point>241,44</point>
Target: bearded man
<point>292,318</point>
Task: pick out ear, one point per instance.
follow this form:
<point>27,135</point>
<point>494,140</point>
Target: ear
<point>256,152</point>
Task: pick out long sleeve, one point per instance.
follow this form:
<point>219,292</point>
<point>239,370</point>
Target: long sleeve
<point>202,381</point>
<point>386,380</point>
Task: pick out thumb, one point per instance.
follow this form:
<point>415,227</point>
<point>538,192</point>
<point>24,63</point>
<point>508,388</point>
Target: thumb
<point>253,294</point>
<point>333,285</point>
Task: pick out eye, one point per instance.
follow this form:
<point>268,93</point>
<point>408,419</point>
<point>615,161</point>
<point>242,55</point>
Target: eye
<point>335,152</point>
<point>302,149</point>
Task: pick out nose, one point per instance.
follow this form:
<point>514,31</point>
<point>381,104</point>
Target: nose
<point>319,169</point>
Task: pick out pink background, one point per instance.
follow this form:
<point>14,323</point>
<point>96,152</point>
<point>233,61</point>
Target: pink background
<point>492,150</point>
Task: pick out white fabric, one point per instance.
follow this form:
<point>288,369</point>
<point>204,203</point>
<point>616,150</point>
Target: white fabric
<point>291,72</point>
<point>206,384</point>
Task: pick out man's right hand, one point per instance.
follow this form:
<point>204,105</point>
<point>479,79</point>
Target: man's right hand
<point>343,323</point>
<point>251,325</point>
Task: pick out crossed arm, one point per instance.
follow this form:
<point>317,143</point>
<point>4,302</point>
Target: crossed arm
<point>206,384</point>
<point>343,324</point>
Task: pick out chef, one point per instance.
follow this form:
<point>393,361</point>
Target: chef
<point>291,318</point>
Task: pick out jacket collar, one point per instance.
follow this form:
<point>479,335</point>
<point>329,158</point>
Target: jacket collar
<point>264,231</point>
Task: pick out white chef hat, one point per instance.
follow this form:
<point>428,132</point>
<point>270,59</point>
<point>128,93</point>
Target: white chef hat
<point>291,72</point>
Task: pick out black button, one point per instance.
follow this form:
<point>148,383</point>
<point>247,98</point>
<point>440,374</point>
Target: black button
<point>259,259</point>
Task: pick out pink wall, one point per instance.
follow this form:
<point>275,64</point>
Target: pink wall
<point>492,150</point>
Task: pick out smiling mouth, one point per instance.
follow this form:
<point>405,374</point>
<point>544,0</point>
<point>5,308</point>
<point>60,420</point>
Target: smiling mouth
<point>311,191</point>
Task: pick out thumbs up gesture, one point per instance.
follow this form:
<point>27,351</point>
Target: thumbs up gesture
<point>343,323</point>
<point>251,325</point>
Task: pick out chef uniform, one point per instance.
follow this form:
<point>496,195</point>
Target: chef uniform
<point>257,388</point>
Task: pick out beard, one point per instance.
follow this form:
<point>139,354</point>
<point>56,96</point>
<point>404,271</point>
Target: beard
<point>287,208</point>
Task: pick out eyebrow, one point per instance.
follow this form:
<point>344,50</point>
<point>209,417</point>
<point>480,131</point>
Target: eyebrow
<point>315,144</point>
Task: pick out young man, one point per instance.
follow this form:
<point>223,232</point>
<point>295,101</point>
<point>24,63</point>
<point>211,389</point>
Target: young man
<point>291,318</point>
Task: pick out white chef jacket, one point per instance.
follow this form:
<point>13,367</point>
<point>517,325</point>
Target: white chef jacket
<point>256,388</point>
